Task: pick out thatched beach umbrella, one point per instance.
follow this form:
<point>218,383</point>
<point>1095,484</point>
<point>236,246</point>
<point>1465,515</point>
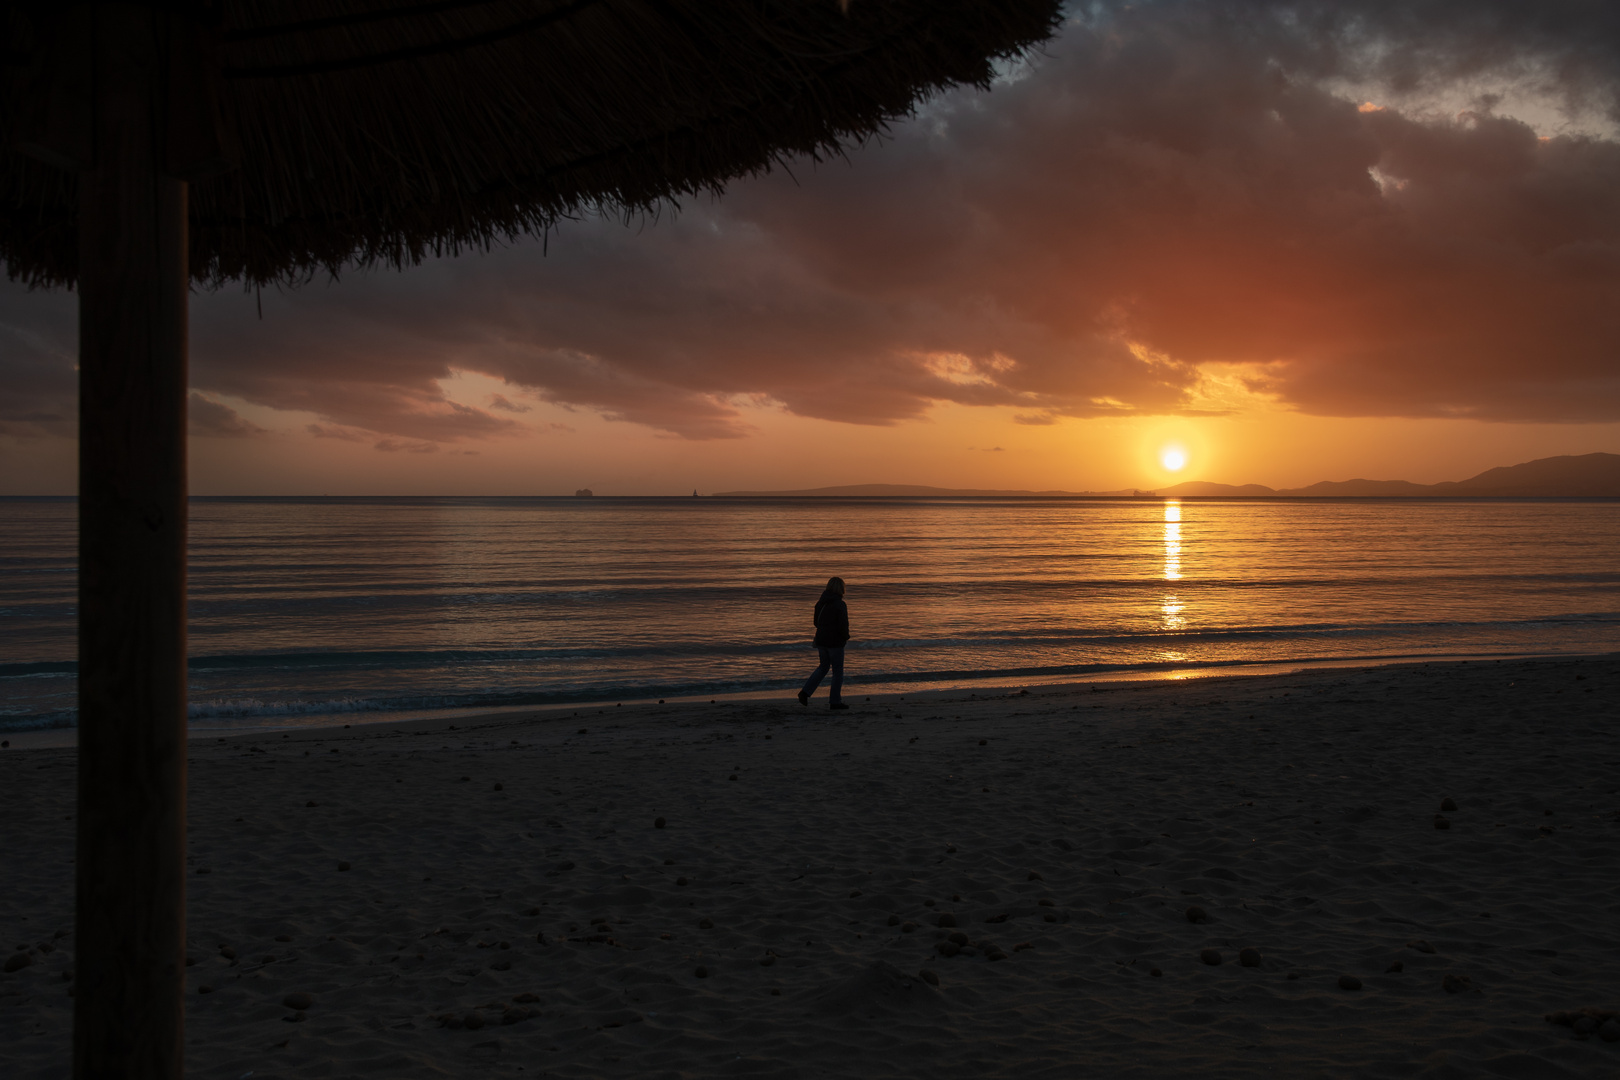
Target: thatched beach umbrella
<point>173,141</point>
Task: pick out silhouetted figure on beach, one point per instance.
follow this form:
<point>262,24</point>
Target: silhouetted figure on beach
<point>832,634</point>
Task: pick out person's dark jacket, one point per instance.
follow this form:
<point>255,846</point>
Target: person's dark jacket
<point>832,621</point>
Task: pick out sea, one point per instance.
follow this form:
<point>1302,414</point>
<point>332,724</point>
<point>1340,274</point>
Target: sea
<point>317,611</point>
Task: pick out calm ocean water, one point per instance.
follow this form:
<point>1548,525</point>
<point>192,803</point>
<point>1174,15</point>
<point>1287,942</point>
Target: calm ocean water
<point>307,610</point>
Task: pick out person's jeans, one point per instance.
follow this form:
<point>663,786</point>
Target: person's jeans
<point>830,658</point>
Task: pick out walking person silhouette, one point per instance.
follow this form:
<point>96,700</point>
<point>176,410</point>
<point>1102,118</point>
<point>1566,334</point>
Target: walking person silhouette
<point>832,634</point>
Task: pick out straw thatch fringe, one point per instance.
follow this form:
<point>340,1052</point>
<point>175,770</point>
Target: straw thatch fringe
<point>374,134</point>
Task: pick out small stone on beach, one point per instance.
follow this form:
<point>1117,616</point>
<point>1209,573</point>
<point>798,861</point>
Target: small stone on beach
<point>497,787</point>
<point>702,972</point>
<point>472,1021</point>
<point>680,881</point>
<point>894,920</point>
<point>1395,969</point>
<point>1448,804</point>
<point>343,866</point>
<point>658,823</point>
<point>946,919</point>
<point>1442,823</point>
<point>17,961</point>
<point>1349,982</point>
<point>1456,984</point>
<point>1196,914</point>
<point>1212,957</point>
<point>1421,946</point>
<point>928,977</point>
<point>1155,972</point>
<point>298,1001</point>
<point>1249,957</point>
<point>705,924</point>
<point>1033,876</point>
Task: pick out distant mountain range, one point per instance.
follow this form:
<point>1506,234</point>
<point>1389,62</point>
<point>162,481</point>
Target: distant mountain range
<point>1585,475</point>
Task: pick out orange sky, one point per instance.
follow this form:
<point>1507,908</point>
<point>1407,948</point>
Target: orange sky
<point>1391,251</point>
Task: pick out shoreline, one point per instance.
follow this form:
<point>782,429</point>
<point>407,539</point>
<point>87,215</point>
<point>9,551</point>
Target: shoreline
<point>507,869</point>
<point>67,735</point>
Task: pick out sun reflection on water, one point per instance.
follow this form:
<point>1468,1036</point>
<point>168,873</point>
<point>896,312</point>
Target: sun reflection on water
<point>1170,608</point>
<point>1172,541</point>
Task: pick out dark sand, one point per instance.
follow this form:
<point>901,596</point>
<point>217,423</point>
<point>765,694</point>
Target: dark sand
<point>1297,811</point>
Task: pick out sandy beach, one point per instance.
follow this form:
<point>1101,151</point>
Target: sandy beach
<point>496,897</point>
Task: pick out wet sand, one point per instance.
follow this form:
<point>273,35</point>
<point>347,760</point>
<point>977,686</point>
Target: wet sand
<point>510,909</point>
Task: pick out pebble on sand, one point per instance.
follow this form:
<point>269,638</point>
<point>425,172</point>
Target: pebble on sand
<point>705,924</point>
<point>1033,876</point>
<point>1395,969</point>
<point>1196,914</point>
<point>1249,957</point>
<point>1349,982</point>
<point>658,823</point>
<point>1448,804</point>
<point>946,919</point>
<point>1212,957</point>
<point>1156,973</point>
<point>1421,946</point>
<point>928,977</point>
<point>17,961</point>
<point>1441,823</point>
<point>472,1021</point>
<point>298,1001</point>
<point>908,927</point>
<point>701,972</point>
<point>343,866</point>
<point>680,881</point>
<point>894,920</point>
<point>497,787</point>
<point>1456,984</point>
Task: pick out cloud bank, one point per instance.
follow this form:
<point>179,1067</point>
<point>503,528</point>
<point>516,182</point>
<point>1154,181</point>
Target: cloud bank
<point>1355,209</point>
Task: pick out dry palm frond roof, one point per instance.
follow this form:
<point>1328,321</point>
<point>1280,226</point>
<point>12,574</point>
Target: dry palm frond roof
<point>382,131</point>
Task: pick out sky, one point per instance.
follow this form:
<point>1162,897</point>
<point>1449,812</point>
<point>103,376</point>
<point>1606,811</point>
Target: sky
<point>1295,241</point>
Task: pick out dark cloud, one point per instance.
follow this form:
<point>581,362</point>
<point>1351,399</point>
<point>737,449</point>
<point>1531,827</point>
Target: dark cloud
<point>1170,186</point>
<point>38,384</point>
<point>214,419</point>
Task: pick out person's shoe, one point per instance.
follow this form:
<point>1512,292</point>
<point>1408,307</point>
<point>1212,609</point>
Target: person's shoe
<point>836,705</point>
<point>804,698</point>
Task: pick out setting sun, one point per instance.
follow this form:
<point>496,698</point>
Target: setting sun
<point>1173,458</point>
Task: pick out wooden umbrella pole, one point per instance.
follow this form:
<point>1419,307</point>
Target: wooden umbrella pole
<point>130,919</point>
